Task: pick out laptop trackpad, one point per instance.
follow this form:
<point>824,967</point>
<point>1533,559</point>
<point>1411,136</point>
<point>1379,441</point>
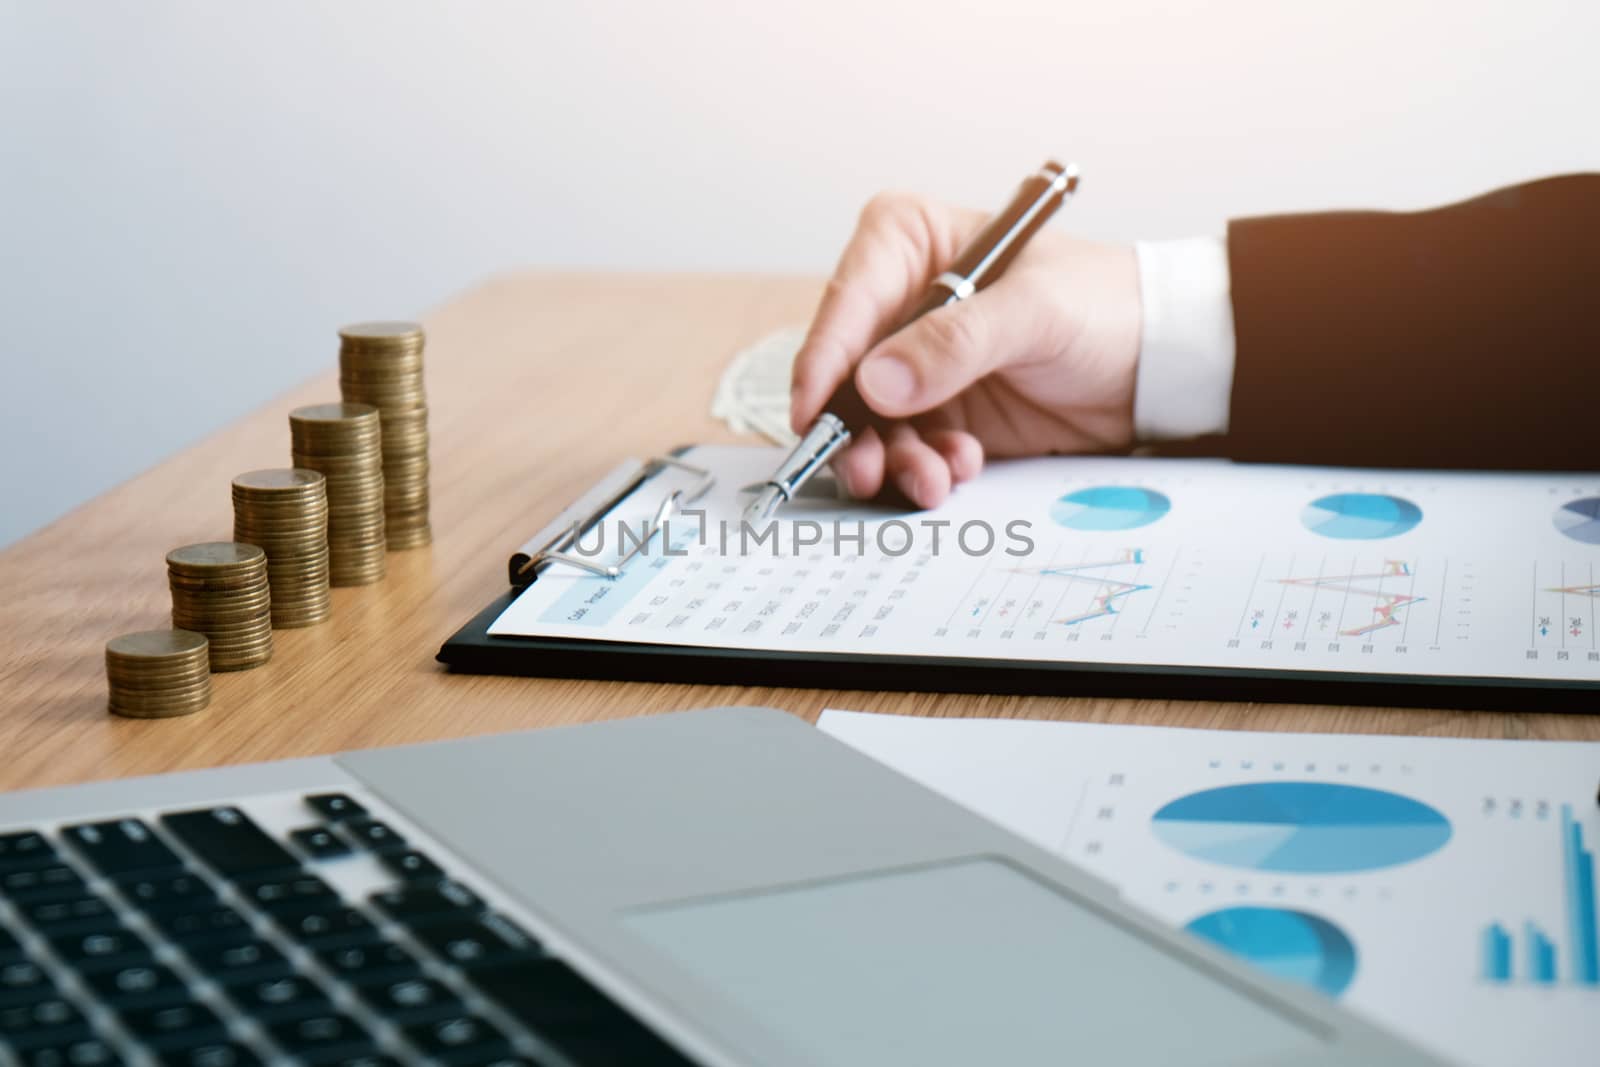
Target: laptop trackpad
<point>972,961</point>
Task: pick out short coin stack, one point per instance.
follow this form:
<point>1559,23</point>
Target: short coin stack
<point>343,442</point>
<point>220,589</point>
<point>158,674</point>
<point>285,512</point>
<point>380,363</point>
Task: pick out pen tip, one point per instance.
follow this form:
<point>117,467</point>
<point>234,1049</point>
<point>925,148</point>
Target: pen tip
<point>765,503</point>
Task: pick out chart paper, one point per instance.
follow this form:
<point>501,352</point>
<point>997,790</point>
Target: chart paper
<point>1445,888</point>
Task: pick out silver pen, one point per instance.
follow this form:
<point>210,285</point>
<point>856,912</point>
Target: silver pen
<point>983,260</point>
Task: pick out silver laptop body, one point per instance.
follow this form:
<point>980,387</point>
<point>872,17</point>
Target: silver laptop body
<point>750,890</point>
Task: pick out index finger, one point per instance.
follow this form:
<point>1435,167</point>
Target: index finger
<point>897,249</point>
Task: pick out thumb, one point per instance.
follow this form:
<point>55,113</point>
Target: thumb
<point>930,360</point>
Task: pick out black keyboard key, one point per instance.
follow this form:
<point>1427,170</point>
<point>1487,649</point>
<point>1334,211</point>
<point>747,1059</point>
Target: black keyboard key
<point>69,913</point>
<point>229,963</point>
<point>122,847</point>
<point>412,999</point>
<point>477,942</point>
<point>275,999</point>
<point>23,982</point>
<point>42,883</point>
<point>230,842</point>
<point>326,929</point>
<point>97,950</point>
<point>10,947</point>
<point>87,1052</point>
<point>335,807</point>
<point>213,1054</point>
<point>370,833</point>
<point>20,851</point>
<point>574,1017</point>
<point>412,866</point>
<point>220,923</point>
<point>161,894</point>
<point>379,961</point>
<point>458,1039</point>
<point>286,896</point>
<point>138,985</point>
<point>320,844</point>
<point>321,1038</point>
<point>419,903</point>
<point>52,1021</point>
<point>176,1026</point>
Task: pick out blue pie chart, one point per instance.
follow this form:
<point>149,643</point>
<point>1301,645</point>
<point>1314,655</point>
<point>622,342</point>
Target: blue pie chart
<point>1294,945</point>
<point>1580,520</point>
<point>1109,507</point>
<point>1301,827</point>
<point>1361,516</point>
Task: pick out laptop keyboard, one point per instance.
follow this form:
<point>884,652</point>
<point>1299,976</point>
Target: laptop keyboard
<point>198,939</point>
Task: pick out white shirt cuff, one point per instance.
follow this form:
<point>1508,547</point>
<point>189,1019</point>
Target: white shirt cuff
<point>1184,380</point>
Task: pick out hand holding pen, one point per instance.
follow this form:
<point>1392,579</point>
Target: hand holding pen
<point>1039,359</point>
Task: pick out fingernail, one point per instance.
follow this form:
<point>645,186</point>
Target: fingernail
<point>888,380</point>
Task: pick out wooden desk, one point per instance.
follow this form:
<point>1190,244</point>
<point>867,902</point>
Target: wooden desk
<point>538,383</point>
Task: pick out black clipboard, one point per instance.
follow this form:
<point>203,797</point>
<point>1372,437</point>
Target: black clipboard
<point>473,650</point>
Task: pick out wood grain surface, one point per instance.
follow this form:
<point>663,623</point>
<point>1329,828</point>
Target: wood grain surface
<point>537,384</point>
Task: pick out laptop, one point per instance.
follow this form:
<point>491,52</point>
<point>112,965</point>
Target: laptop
<point>719,887</point>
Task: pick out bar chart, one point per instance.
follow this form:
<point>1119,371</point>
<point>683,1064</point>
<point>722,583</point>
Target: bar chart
<point>1540,960</point>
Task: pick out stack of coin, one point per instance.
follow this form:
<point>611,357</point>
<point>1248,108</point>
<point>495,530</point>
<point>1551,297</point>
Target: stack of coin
<point>380,363</point>
<point>285,512</point>
<point>220,589</point>
<point>158,674</point>
<point>343,442</point>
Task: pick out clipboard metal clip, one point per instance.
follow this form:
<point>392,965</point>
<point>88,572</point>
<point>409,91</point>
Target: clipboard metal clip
<point>558,549</point>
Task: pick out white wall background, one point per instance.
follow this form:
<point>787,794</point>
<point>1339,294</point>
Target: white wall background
<point>193,195</point>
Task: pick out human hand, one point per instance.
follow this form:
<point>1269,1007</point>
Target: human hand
<point>1041,361</point>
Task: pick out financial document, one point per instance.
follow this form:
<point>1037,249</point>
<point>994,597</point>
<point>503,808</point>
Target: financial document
<point>1445,888</point>
<point>1185,563</point>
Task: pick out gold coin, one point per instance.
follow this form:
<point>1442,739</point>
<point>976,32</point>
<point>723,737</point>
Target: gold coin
<point>156,646</point>
<point>214,558</point>
<point>241,663</point>
<point>278,480</point>
<point>339,414</point>
<point>387,331</point>
<point>118,706</point>
<point>216,627</point>
<point>202,599</point>
<point>243,586</point>
<point>403,540</point>
<point>160,685</point>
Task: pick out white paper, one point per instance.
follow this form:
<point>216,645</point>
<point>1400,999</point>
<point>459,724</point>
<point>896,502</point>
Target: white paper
<point>1214,565</point>
<point>1422,845</point>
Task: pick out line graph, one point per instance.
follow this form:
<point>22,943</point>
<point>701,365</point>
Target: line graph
<point>1104,600</point>
<point>1388,603</point>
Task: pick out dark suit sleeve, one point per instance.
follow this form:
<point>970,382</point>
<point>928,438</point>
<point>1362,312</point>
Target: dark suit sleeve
<point>1467,336</point>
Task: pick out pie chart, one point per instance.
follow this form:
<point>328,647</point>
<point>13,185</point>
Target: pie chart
<point>1360,516</point>
<point>1294,945</point>
<point>1109,507</point>
<point>1580,520</point>
<point>1301,827</point>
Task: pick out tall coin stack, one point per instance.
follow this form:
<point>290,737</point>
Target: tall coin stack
<point>343,441</point>
<point>220,589</point>
<point>158,674</point>
<point>285,512</point>
<point>380,363</point>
